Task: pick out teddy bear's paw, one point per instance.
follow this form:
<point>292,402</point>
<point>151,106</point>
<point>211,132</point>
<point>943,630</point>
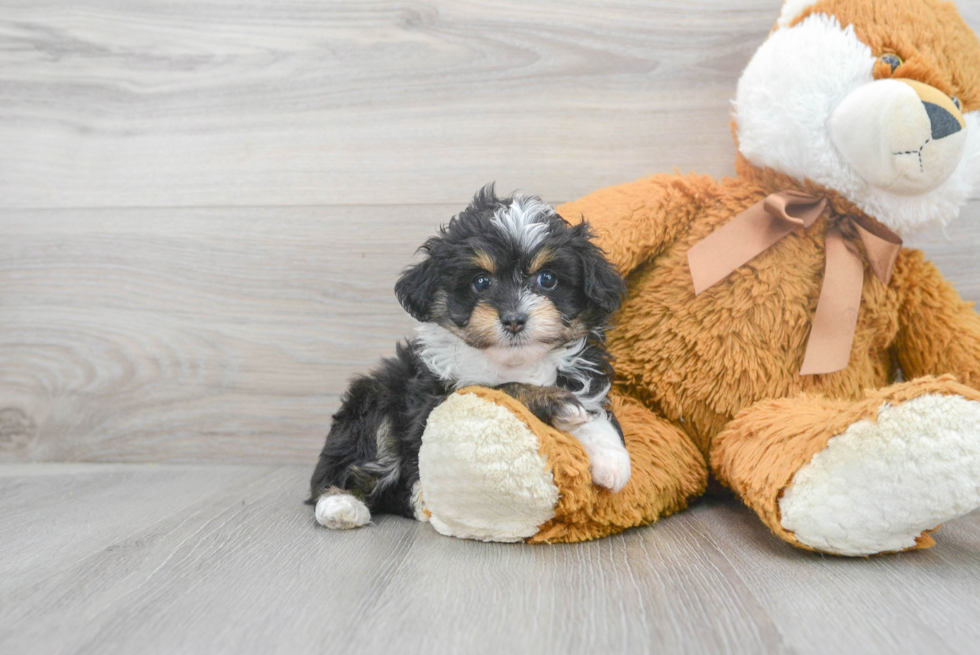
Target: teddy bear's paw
<point>482,474</point>
<point>608,458</point>
<point>879,485</point>
<point>570,416</point>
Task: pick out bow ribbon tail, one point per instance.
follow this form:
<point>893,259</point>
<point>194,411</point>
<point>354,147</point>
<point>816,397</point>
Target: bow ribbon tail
<point>760,226</point>
<point>832,332</point>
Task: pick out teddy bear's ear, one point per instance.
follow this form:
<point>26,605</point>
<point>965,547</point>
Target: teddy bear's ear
<point>793,9</point>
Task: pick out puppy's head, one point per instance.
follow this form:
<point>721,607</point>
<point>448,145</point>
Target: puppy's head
<point>511,273</point>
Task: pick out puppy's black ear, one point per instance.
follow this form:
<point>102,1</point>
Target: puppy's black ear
<point>416,288</point>
<point>604,287</point>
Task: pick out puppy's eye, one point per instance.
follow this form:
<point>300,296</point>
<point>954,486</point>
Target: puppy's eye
<point>892,60</point>
<point>956,101</point>
<point>547,280</point>
<point>481,283</point>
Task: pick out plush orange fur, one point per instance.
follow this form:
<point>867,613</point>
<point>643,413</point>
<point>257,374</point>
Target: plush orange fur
<point>735,350</point>
<point>715,377</point>
<point>758,453</point>
<point>667,470</point>
<point>700,361</point>
<point>935,45</point>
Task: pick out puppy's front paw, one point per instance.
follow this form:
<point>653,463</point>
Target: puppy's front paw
<point>569,416</point>
<point>610,466</point>
<point>341,512</point>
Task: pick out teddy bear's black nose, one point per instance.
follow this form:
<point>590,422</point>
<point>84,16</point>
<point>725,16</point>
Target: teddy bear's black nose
<point>943,123</point>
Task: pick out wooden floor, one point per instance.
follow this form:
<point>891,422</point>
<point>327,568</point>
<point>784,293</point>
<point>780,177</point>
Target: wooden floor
<point>137,558</point>
<point>203,208</point>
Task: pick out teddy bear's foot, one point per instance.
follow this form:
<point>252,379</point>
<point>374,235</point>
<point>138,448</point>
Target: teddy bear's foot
<point>861,477</point>
<point>881,484</point>
<point>482,474</point>
<point>491,470</point>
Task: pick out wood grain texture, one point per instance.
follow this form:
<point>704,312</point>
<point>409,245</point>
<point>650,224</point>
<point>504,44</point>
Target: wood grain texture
<point>189,335</point>
<point>244,569</point>
<point>216,103</point>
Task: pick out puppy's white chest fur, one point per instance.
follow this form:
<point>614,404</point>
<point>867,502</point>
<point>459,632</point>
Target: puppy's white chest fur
<point>453,360</point>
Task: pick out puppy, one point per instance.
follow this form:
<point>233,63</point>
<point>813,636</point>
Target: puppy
<point>510,296</point>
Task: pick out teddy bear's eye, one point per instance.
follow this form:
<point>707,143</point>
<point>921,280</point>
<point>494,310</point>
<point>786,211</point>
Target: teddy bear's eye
<point>956,101</point>
<point>892,60</point>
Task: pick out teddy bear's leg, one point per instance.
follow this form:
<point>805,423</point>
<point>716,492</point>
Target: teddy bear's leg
<point>490,470</point>
<point>857,478</point>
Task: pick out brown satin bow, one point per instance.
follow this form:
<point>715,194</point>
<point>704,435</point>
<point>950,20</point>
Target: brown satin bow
<point>768,221</point>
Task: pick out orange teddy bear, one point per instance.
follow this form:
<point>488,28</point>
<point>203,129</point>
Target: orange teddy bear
<point>770,316</point>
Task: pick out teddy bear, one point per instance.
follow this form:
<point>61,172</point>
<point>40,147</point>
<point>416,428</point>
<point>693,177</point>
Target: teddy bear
<point>777,339</point>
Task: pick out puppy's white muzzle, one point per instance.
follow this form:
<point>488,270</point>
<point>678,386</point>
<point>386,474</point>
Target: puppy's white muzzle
<point>899,135</point>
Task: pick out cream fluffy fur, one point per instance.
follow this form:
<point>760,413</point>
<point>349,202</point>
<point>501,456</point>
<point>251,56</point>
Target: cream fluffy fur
<point>509,490</point>
<point>880,484</point>
<point>786,98</point>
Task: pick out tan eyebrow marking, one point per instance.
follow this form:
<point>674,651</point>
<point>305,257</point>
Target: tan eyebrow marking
<point>541,258</point>
<point>484,261</point>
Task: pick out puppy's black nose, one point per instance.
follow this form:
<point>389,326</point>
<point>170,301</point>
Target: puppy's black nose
<point>514,321</point>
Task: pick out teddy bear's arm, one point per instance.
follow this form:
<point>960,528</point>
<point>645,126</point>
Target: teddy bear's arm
<point>636,221</point>
<point>938,331</point>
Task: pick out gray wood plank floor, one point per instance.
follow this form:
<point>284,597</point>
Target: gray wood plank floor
<point>123,558</point>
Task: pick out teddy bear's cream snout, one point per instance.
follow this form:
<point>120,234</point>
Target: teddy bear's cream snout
<point>899,135</point>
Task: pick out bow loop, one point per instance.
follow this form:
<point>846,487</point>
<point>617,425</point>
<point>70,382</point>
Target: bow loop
<point>766,222</point>
<point>748,234</point>
<point>794,207</point>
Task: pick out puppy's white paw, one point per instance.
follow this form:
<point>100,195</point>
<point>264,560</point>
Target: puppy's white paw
<point>341,512</point>
<point>608,457</point>
<point>570,417</point>
<point>610,466</point>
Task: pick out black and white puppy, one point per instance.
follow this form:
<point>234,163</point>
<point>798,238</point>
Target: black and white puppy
<point>510,296</point>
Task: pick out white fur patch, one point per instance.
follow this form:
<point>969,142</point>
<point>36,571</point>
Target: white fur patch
<point>521,221</point>
<point>608,459</point>
<point>341,512</point>
<point>462,365</point>
<point>455,361</point>
<point>793,9</point>
<point>877,486</point>
<point>482,474</point>
<point>571,417</point>
<point>786,97</point>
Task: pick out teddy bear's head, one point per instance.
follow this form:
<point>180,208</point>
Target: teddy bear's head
<point>875,99</point>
